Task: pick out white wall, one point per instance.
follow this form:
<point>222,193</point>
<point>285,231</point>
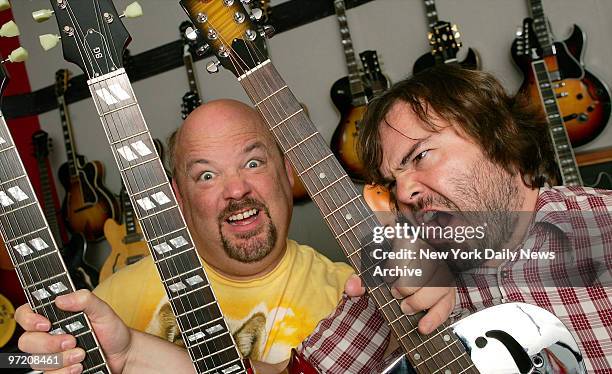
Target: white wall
<point>310,59</point>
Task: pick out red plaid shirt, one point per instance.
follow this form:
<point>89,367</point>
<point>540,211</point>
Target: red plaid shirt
<point>585,311</point>
<point>353,338</point>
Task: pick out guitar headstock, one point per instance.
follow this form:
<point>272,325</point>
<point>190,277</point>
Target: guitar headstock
<point>527,41</point>
<point>91,32</point>
<point>444,40</point>
<point>42,144</point>
<point>227,28</point>
<point>372,70</point>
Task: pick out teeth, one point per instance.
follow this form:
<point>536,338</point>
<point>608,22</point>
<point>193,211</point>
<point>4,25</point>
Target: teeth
<point>427,217</point>
<point>241,216</point>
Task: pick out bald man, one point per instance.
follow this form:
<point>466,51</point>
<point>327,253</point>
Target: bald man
<point>234,188</point>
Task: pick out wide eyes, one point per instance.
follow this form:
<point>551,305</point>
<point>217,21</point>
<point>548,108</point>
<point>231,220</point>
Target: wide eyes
<point>206,176</point>
<point>253,164</point>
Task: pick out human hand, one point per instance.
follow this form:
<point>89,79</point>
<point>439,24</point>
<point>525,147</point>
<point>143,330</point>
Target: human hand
<point>113,335</point>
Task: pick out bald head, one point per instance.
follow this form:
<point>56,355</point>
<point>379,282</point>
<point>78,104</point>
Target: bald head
<point>214,117</point>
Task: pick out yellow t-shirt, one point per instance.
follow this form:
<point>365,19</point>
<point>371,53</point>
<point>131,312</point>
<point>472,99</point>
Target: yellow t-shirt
<point>267,316</point>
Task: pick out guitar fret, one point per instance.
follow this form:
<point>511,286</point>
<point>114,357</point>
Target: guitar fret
<point>159,212</point>
<point>76,315</point>
<point>270,95</point>
<point>13,180</point>
<point>7,149</point>
<point>300,142</point>
<point>205,341</point>
<point>230,362</point>
<point>138,164</point>
<point>119,109</point>
<point>167,234</point>
<point>286,119</point>
<point>341,206</point>
<point>172,298</point>
<point>212,354</point>
<point>202,326</point>
<point>18,209</point>
<point>196,309</point>
<point>178,276</point>
<point>38,283</point>
<point>353,227</point>
<point>467,368</point>
<point>315,164</point>
<point>94,368</point>
<point>329,185</point>
<point>129,137</point>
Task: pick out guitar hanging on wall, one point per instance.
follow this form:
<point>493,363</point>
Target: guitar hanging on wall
<point>74,252</point>
<point>87,203</point>
<point>456,348</point>
<point>583,100</point>
<point>444,40</point>
<point>33,252</point>
<point>350,95</point>
<point>191,99</point>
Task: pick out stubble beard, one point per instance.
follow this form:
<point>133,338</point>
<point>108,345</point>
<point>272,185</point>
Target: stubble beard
<point>489,195</point>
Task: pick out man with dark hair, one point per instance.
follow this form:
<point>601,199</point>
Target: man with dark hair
<point>450,142</point>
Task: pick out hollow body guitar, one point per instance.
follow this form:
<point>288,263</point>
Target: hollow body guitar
<point>511,338</point>
<point>444,40</point>
<point>350,96</point>
<point>87,203</point>
<point>74,251</point>
<point>583,99</point>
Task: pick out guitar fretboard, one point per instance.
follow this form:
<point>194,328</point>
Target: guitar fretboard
<point>347,215</point>
<point>431,13</point>
<point>35,255</point>
<point>49,207</point>
<point>541,26</point>
<point>358,94</point>
<point>564,153</point>
<point>203,328</point>
<point>71,154</point>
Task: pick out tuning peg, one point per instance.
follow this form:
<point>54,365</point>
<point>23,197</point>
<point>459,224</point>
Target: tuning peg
<point>519,31</point>
<point>4,5</point>
<point>268,31</point>
<point>18,55</point>
<point>213,66</point>
<point>49,41</point>
<point>9,29</point>
<point>256,14</point>
<point>201,50</point>
<point>134,10</point>
<point>191,33</point>
<point>42,15</point>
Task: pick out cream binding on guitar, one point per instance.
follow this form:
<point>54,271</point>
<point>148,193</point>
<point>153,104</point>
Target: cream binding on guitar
<point>507,338</point>
<point>33,252</point>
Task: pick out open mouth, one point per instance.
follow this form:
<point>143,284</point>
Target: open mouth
<point>436,218</point>
<point>243,218</point>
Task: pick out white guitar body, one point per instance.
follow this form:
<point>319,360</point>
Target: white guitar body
<point>515,338</point>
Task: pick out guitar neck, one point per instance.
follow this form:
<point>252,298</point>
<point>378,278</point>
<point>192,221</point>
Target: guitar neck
<point>49,202</point>
<point>35,254</point>
<point>356,87</point>
<point>564,154</point>
<point>344,210</point>
<point>541,27</point>
<point>71,154</point>
<point>128,216</point>
<point>203,328</point>
<point>431,13</point>
<point>191,74</point>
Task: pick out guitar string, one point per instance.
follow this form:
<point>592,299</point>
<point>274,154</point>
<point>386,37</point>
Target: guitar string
<point>174,266</point>
<point>25,275</point>
<point>285,117</point>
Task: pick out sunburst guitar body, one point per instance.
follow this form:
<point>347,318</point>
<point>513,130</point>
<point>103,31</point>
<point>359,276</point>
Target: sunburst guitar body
<point>583,99</point>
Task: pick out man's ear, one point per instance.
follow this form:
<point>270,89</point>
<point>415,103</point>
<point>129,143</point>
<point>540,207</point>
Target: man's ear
<point>177,193</point>
<point>289,170</point>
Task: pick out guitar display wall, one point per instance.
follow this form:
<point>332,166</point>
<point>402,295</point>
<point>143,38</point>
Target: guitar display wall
<point>311,59</point>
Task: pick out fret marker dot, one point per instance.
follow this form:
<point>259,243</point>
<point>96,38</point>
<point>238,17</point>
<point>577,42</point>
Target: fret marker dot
<point>417,356</point>
<point>322,175</point>
<point>446,338</point>
<point>447,371</point>
<point>348,216</point>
